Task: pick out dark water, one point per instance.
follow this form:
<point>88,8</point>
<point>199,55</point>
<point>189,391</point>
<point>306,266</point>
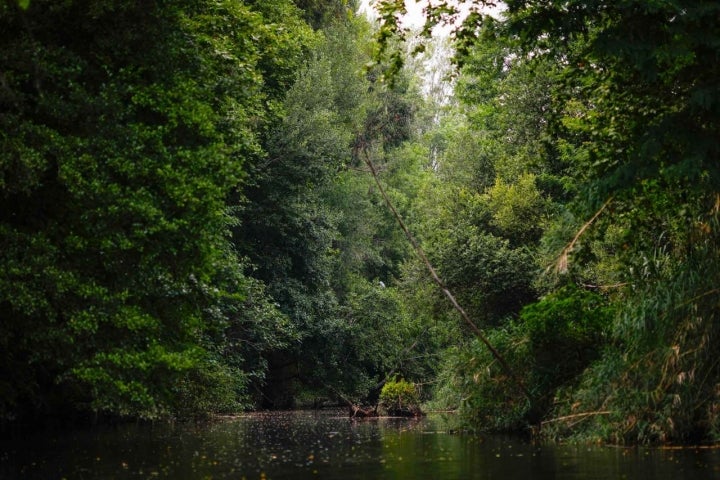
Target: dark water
<point>302,445</point>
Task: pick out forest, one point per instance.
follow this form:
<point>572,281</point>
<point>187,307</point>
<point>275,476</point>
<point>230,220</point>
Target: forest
<point>199,204</point>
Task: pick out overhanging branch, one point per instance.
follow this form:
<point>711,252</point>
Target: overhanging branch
<point>436,278</point>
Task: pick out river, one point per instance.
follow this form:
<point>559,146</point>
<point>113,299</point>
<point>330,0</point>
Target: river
<point>327,445</point>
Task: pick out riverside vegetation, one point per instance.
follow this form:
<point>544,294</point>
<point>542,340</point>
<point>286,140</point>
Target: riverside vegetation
<point>189,226</point>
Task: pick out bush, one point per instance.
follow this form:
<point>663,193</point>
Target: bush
<point>548,348</point>
<point>657,381</point>
<point>472,380</point>
<point>400,398</point>
<point>565,331</point>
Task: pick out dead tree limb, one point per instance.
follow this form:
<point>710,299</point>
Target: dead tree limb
<point>561,262</point>
<point>436,278</point>
<point>354,410</point>
<point>582,415</point>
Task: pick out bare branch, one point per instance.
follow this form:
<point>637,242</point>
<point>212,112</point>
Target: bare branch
<point>561,263</point>
<point>436,278</point>
<point>577,415</point>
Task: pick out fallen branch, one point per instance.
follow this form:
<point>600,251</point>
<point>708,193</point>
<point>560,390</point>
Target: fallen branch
<point>436,278</point>
<point>689,447</point>
<point>354,410</point>
<point>357,411</point>
<point>561,263</point>
<point>577,415</point>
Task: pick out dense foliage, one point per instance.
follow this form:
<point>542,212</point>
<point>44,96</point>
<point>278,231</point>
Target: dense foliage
<point>609,110</point>
<point>189,223</point>
<point>399,398</point>
<point>185,228</point>
<point>125,127</point>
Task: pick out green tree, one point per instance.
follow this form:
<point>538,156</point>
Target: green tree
<point>640,123</point>
<point>289,230</point>
<point>322,14</point>
<point>124,129</point>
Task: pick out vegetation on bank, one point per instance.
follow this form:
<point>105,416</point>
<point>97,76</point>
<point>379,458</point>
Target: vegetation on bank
<point>188,224</point>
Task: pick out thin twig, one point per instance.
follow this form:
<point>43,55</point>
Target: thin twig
<point>606,287</point>
<point>400,359</point>
<point>698,297</point>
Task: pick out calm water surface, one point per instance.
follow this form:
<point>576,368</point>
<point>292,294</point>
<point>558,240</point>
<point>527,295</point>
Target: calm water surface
<point>301,445</point>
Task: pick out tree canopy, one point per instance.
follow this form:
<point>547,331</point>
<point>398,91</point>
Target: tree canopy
<point>193,212</point>
<point>125,130</point>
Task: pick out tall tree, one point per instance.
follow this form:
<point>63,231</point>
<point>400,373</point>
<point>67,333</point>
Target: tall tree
<point>124,128</point>
<point>287,230</point>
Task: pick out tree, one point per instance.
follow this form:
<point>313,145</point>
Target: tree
<point>641,123</point>
<point>628,111</point>
<point>124,130</point>
<point>287,229</point>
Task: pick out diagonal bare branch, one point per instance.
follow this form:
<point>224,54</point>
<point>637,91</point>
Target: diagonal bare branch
<point>561,262</point>
<point>436,278</point>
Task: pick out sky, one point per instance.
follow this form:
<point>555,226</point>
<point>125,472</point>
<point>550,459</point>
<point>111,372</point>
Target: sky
<point>415,18</point>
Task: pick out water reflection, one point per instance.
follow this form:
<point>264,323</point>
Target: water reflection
<point>300,445</point>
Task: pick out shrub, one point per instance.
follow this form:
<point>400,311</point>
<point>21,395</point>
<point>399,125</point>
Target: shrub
<point>400,398</point>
